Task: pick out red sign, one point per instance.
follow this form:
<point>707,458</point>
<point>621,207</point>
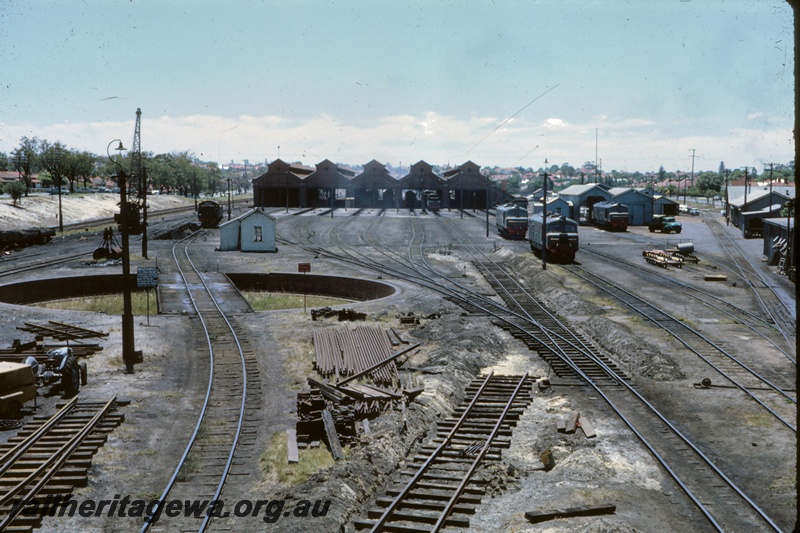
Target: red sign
<point>304,267</point>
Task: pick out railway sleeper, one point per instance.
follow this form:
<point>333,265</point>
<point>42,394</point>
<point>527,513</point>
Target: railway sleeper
<point>28,463</point>
<point>420,459</point>
<point>469,434</point>
<point>464,498</point>
<point>389,528</point>
<point>425,504</point>
<point>442,477</point>
<point>451,521</point>
<point>422,486</point>
<point>461,439</point>
<point>74,481</point>
<point>459,453</point>
<point>485,422</point>
<point>476,434</point>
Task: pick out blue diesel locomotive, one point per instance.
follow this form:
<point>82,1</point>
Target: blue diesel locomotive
<point>560,238</point>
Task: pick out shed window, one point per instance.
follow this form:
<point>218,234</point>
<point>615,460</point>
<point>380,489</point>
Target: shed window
<point>257,234</point>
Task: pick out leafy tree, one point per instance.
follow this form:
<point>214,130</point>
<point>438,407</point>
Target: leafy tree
<point>80,167</point>
<point>4,162</point>
<point>709,183</point>
<point>25,159</point>
<point>53,159</point>
<point>15,189</point>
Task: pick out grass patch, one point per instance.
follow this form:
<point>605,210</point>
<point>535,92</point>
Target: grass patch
<point>274,461</point>
<point>299,364</point>
<point>273,301</point>
<point>189,467</point>
<point>110,304</point>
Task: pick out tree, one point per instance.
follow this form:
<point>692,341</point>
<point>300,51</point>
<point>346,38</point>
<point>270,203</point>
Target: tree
<point>53,159</point>
<point>15,189</point>
<point>721,171</point>
<point>79,167</point>
<point>708,183</point>
<point>4,162</point>
<point>25,159</point>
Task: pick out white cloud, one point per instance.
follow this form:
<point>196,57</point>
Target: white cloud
<point>622,143</point>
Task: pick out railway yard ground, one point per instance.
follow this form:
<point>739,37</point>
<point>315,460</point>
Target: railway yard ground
<point>164,394</point>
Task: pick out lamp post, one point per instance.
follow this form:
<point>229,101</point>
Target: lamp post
<point>129,354</point>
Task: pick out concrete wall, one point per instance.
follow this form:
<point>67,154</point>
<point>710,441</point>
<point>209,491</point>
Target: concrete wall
<point>353,288</point>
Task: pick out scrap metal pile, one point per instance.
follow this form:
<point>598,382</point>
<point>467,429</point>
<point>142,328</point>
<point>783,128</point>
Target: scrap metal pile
<point>675,257</point>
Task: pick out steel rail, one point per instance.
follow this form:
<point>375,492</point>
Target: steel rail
<point>703,508</point>
<point>750,320</point>
<point>699,335</point>
<point>209,388</point>
<point>463,294</point>
<point>428,462</point>
<point>10,457</point>
<point>728,244</point>
<point>49,468</point>
<point>468,475</point>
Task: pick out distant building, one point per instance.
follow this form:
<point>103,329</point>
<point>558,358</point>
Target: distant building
<point>253,231</point>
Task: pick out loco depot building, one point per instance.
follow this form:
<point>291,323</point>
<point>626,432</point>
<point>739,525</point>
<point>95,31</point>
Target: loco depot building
<point>330,185</point>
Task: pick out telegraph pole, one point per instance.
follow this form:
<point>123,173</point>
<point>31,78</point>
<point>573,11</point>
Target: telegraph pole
<point>693,157</point>
<point>544,218</point>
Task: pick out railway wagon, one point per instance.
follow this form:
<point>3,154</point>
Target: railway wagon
<point>209,214</point>
<point>25,237</point>
<point>560,237</point>
<point>512,221</point>
<point>611,216</point>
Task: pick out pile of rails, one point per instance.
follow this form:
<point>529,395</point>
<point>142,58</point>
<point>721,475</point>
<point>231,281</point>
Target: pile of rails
<point>331,412</point>
<point>349,351</point>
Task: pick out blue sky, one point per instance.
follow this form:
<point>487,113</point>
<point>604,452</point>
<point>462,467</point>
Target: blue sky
<point>400,82</point>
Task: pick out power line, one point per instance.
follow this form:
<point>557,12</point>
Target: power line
<point>509,118</point>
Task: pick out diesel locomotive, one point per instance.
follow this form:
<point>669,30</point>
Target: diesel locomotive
<point>560,237</point>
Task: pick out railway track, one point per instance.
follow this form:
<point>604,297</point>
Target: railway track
<point>443,489</point>
<point>774,308</point>
<point>725,506</point>
<point>769,395</point>
<point>228,418</point>
<point>50,457</point>
<point>716,496</point>
<point>754,322</point>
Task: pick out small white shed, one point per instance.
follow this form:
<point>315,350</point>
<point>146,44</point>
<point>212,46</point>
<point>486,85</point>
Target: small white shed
<point>253,231</point>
